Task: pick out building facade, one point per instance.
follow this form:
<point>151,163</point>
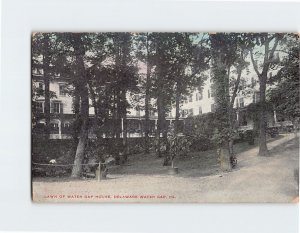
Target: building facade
<point>195,104</point>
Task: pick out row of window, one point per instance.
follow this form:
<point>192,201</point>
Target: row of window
<point>55,107</point>
<point>55,125</point>
<point>62,90</point>
<point>199,96</point>
<point>190,112</point>
<point>239,101</point>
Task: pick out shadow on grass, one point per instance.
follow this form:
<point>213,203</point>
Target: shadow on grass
<point>195,164</point>
<point>289,145</point>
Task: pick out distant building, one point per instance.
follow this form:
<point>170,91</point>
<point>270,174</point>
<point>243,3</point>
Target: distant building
<point>197,103</point>
<point>62,116</point>
<point>202,102</point>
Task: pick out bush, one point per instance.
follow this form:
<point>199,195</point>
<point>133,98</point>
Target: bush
<point>201,143</point>
<point>273,131</point>
<point>249,136</point>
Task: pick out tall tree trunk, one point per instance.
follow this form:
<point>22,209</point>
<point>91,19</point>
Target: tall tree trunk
<point>231,111</point>
<point>177,108</point>
<point>124,125</point>
<point>114,117</point>
<point>46,65</point>
<point>47,105</point>
<point>164,130</point>
<point>163,121</point>
<point>263,76</point>
<point>147,100</point>
<point>263,149</point>
<point>82,79</point>
<point>118,117</point>
<point>159,125</point>
<point>76,110</point>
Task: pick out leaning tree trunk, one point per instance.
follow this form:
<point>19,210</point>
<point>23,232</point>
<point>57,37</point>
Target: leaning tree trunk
<point>83,137</point>
<point>263,149</point>
<point>77,168</point>
<point>83,92</point>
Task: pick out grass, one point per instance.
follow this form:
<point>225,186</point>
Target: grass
<point>195,164</point>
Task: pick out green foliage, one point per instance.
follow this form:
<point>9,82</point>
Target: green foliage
<point>200,126</point>
<point>285,96</point>
<point>178,145</point>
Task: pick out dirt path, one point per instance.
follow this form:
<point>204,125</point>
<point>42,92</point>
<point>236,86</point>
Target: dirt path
<point>257,179</point>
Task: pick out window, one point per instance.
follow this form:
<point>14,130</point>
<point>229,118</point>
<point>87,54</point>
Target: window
<point>39,107</point>
<point>62,89</point>
<point>67,124</point>
<point>41,86</point>
<point>151,113</point>
<point>185,99</point>
<point>54,125</point>
<point>199,96</point>
<point>200,110</point>
<point>138,111</point>
<point>56,107</point>
<point>184,113</point>
<point>190,98</point>
<point>256,97</point>
<point>213,108</point>
<point>241,102</point>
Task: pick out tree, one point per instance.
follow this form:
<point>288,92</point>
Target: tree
<point>126,77</point>
<point>145,54</point>
<point>112,75</point>
<point>228,53</point>
<point>98,76</point>
<point>44,55</point>
<point>189,58</point>
<point>262,58</point>
<point>162,82</point>
<point>285,95</point>
<point>76,39</point>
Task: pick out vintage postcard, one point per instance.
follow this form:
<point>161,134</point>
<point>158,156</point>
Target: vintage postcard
<point>165,117</point>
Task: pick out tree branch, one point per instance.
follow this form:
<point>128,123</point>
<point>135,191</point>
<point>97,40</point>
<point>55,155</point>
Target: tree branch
<point>269,55</point>
<point>254,63</point>
<point>237,83</point>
